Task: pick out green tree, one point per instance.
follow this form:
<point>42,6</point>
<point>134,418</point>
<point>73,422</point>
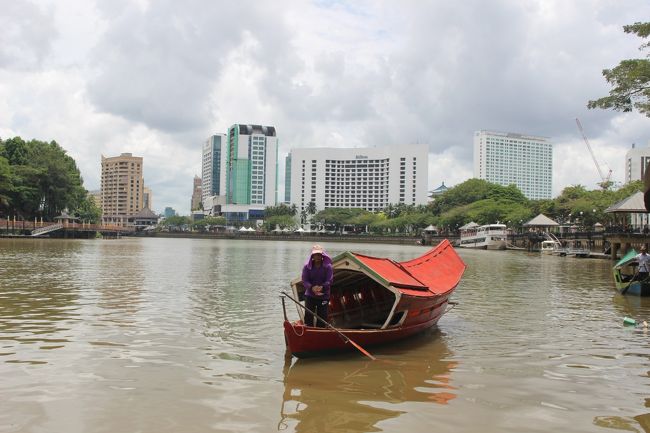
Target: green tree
<point>337,217</point>
<point>176,222</point>
<point>15,150</point>
<point>6,183</point>
<point>465,193</point>
<point>281,221</point>
<point>44,179</point>
<point>281,209</point>
<point>207,223</point>
<point>88,211</point>
<point>630,80</point>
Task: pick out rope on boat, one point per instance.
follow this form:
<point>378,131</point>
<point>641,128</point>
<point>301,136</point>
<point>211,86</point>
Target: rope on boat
<point>284,310</point>
<point>294,330</point>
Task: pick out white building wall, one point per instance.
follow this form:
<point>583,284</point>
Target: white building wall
<point>636,161</point>
<point>369,178</point>
<point>506,158</point>
<point>271,172</point>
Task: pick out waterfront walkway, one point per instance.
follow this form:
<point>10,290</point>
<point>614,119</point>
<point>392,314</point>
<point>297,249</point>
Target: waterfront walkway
<point>65,229</point>
<point>609,243</point>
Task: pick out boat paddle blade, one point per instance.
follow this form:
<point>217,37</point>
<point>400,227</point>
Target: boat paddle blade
<point>362,350</point>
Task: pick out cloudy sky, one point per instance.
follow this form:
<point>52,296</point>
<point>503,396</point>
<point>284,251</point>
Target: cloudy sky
<point>156,78</point>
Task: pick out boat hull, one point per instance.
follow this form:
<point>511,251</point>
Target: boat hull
<point>636,288</point>
<point>487,237</point>
<point>484,244</point>
<point>305,342</point>
<point>626,285</point>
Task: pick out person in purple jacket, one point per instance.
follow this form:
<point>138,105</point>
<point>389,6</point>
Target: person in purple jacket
<point>317,277</point>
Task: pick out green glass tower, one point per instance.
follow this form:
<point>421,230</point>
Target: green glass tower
<point>251,165</point>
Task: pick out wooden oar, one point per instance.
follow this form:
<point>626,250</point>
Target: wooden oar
<point>347,339</point>
<point>625,289</point>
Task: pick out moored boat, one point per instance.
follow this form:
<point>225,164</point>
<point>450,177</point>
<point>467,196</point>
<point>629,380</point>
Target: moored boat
<point>550,247</point>
<point>377,300</point>
<point>625,276</point>
<point>575,248</point>
<point>488,236</point>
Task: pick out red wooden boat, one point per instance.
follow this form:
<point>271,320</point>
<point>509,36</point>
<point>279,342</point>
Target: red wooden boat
<point>377,300</point>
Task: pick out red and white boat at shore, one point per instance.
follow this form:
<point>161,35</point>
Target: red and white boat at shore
<point>377,300</point>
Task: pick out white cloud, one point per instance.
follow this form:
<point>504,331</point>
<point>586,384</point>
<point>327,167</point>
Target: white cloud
<point>157,78</point>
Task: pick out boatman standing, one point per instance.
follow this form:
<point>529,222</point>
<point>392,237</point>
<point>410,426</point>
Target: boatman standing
<point>643,259</point>
<point>317,277</point>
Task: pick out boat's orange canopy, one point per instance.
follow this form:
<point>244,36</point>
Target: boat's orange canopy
<point>436,272</point>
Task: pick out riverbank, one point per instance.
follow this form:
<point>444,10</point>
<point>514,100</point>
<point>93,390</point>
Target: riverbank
<point>320,237</point>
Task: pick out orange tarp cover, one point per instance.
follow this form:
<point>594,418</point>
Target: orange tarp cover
<point>437,271</point>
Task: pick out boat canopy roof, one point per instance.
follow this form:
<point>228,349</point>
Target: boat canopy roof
<point>628,258</point>
<point>435,272</point>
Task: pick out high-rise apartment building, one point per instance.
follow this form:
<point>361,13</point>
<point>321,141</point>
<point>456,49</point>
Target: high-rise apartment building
<point>122,188</point>
<point>506,158</point>
<point>636,163</point>
<point>252,165</point>
<point>213,167</point>
<point>196,194</point>
<point>369,178</point>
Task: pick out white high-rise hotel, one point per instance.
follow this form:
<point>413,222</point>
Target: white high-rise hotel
<point>505,158</point>
<point>636,163</point>
<point>368,178</point>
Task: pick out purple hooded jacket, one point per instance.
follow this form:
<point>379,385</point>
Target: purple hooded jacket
<point>323,276</point>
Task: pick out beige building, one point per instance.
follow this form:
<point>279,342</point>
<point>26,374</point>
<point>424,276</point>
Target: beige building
<point>197,191</point>
<point>147,199</point>
<point>122,188</point>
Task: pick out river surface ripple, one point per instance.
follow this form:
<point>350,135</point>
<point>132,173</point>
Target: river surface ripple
<point>185,335</point>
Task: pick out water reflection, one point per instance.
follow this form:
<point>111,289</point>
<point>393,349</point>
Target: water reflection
<point>38,303</point>
<point>349,394</point>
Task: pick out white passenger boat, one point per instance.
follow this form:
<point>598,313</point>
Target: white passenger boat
<point>489,236</point>
<point>551,247</point>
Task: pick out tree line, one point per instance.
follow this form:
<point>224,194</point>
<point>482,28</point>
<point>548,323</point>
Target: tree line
<point>39,179</point>
<point>474,200</point>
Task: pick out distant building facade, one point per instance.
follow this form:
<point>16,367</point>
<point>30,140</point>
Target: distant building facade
<point>169,212</point>
<point>287,179</point>
<point>368,178</point>
<point>148,199</point>
<point>251,165</point>
<point>636,163</point>
<point>122,188</point>
<point>196,194</point>
<point>507,158</point>
<point>213,167</point>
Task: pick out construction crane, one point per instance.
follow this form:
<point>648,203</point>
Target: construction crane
<point>605,182</point>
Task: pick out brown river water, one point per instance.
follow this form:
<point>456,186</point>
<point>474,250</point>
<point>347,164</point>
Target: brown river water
<point>185,335</point>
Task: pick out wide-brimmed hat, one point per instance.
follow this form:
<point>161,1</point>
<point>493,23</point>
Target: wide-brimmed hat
<point>317,249</point>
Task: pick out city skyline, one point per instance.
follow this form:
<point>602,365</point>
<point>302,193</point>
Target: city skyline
<point>104,78</point>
